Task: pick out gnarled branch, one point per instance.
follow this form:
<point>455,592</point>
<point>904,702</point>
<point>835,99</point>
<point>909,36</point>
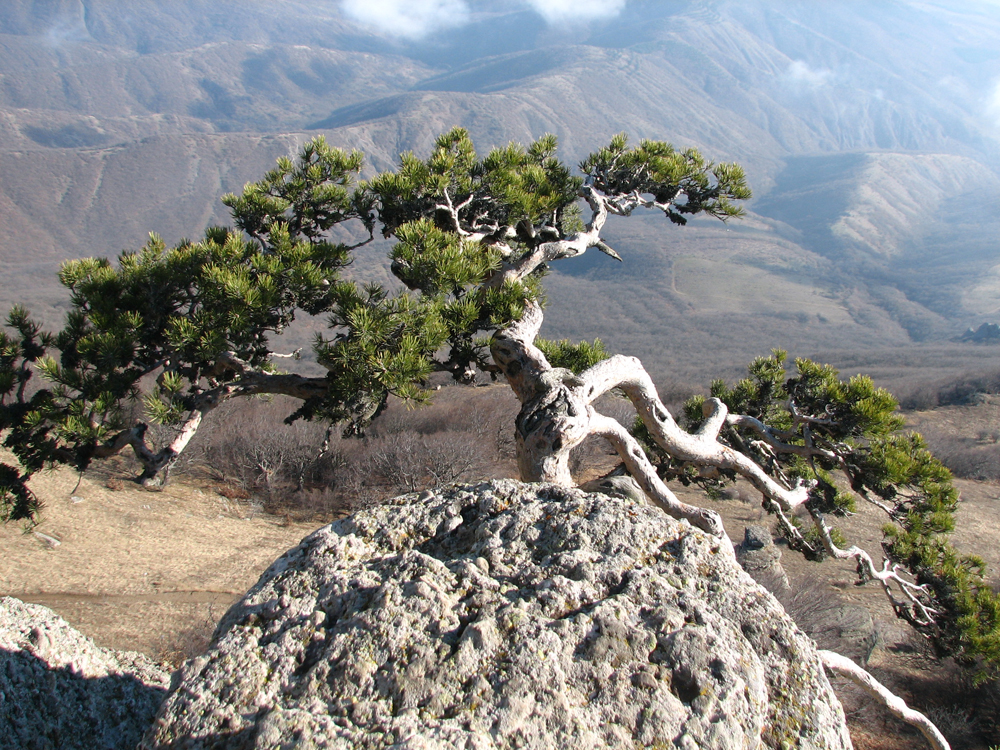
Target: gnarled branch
<point>703,448</point>
<point>638,465</point>
<point>845,667</point>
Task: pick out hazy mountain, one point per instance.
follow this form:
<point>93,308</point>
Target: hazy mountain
<point>870,132</point>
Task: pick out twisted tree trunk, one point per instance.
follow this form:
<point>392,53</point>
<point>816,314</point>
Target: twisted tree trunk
<point>557,415</point>
<point>156,465</point>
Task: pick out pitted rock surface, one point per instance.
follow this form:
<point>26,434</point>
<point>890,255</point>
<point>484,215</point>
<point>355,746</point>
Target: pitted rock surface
<point>59,691</point>
<point>504,615</point>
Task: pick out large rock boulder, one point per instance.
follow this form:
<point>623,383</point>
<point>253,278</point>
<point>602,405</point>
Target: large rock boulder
<point>59,691</point>
<point>499,616</point>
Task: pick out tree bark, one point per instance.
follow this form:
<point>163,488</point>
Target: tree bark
<point>156,465</point>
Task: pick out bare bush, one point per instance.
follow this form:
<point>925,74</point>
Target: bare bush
<point>406,461</point>
<point>967,457</point>
<point>232,492</point>
<point>957,724</point>
<point>831,621</point>
<point>965,388</point>
<point>453,456</point>
<point>485,413</point>
<point>397,460</point>
<point>251,447</point>
<point>295,471</point>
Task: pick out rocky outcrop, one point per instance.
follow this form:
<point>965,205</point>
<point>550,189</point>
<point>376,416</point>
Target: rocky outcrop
<point>987,333</point>
<point>761,558</point>
<point>504,615</point>
<point>58,691</point>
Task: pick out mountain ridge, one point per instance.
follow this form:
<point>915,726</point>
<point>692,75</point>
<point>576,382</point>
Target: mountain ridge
<point>864,129</point>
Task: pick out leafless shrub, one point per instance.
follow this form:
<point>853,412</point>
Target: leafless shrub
<point>453,456</point>
<point>397,460</point>
<point>987,701</point>
<point>965,388</point>
<point>833,622</point>
<point>967,457</point>
<point>972,462</point>
<point>487,413</point>
<point>673,392</point>
<point>232,492</point>
<point>915,394</point>
<point>249,445</point>
<point>957,724</point>
<point>284,470</point>
<point>407,461</point>
<point>808,604</point>
<point>918,397</point>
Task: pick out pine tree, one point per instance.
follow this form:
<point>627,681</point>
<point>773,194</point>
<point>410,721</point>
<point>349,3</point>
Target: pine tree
<point>473,238</point>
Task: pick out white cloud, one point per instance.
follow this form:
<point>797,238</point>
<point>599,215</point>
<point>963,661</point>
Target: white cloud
<point>410,19</point>
<point>799,74</point>
<point>993,104</point>
<point>576,11</point>
<point>66,30</point>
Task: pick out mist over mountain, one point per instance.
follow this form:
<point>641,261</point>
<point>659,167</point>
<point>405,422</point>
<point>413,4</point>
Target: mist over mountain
<point>870,133</point>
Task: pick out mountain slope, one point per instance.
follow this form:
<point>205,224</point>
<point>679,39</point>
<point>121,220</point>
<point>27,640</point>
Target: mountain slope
<point>865,130</point>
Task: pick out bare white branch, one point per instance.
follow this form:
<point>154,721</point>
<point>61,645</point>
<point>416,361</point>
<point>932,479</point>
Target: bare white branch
<point>913,609</point>
<point>638,465</point>
<point>845,667</point>
<point>702,449</point>
<point>570,247</point>
<point>774,438</point>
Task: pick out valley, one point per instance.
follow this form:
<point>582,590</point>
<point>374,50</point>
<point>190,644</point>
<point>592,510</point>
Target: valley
<point>876,186</point>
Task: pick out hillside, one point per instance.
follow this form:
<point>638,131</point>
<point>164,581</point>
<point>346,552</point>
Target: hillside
<point>866,131</point>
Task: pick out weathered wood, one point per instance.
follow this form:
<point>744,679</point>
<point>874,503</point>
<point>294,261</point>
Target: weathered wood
<point>845,667</point>
<point>556,416</point>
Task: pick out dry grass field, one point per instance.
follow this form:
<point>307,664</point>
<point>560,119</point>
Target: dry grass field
<point>137,570</point>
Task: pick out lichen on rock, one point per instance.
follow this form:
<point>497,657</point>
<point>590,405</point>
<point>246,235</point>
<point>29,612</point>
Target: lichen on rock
<point>504,615</point>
